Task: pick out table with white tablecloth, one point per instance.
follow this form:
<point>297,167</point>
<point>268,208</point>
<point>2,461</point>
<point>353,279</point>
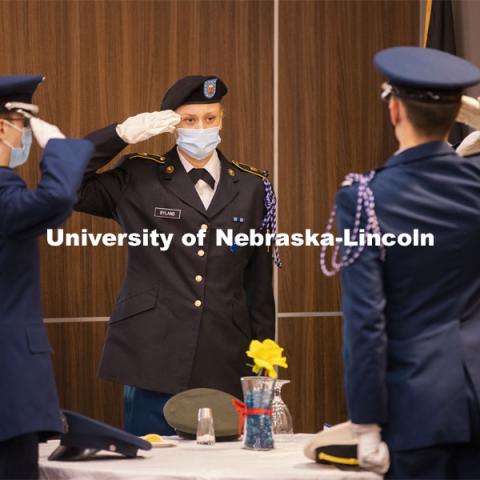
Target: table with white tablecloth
<point>189,461</point>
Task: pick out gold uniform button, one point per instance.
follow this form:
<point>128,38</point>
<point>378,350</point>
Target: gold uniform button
<point>201,253</point>
<point>204,226</point>
<point>198,303</point>
<point>170,169</point>
<point>198,278</point>
<point>231,172</point>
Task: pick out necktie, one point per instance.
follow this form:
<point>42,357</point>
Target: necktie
<point>197,174</point>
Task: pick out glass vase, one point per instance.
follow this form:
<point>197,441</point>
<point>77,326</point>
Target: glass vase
<point>281,418</point>
<point>258,397</point>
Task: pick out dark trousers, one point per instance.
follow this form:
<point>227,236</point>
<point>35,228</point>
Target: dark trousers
<point>143,411</point>
<point>19,457</point>
<point>440,462</point>
<point>443,461</point>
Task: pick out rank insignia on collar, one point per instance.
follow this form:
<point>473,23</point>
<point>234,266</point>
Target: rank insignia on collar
<point>210,88</point>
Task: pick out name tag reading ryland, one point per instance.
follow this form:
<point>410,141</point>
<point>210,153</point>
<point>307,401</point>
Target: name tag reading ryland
<point>172,213</point>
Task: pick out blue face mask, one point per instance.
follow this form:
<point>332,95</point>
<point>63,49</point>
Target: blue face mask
<point>18,156</point>
<point>197,142</point>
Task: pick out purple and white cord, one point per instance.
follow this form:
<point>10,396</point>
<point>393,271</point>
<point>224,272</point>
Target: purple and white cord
<point>270,219</point>
<point>366,201</point>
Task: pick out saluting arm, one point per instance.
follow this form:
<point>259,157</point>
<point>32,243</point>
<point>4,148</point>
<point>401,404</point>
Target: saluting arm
<point>107,145</point>
<point>27,213</point>
<point>99,192</point>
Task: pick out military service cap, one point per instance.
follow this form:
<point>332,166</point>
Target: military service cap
<point>335,445</point>
<point>16,92</point>
<point>84,437</point>
<point>181,413</point>
<point>194,89</point>
<point>425,74</point>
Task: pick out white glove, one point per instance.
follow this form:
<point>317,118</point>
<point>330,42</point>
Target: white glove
<point>44,131</point>
<point>371,451</point>
<point>470,145</point>
<point>146,125</point>
<point>469,112</point>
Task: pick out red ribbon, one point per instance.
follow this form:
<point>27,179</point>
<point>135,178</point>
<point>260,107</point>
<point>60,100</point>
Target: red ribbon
<point>243,412</point>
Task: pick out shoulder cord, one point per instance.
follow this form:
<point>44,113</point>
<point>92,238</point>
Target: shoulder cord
<point>366,201</point>
<point>270,219</point>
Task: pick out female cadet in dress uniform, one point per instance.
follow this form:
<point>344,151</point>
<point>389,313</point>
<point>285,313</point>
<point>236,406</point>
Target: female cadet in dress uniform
<point>184,317</point>
<point>28,401</point>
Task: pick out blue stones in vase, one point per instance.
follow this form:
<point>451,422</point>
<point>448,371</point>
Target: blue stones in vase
<point>258,427</point>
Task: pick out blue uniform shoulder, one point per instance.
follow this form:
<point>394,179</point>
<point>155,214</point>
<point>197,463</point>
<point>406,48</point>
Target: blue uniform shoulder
<point>348,192</point>
<point>9,180</point>
<point>346,195</point>
<point>7,173</point>
<point>353,179</point>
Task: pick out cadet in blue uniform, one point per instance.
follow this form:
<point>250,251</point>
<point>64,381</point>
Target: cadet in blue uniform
<point>29,408</point>
<point>412,314</point>
<point>185,316</point>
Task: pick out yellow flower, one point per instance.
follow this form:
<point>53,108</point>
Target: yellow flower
<point>266,355</point>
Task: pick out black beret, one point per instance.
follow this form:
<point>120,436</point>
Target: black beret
<point>194,89</point>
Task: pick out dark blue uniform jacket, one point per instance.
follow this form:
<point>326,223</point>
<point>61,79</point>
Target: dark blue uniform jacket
<point>28,399</point>
<point>412,323</point>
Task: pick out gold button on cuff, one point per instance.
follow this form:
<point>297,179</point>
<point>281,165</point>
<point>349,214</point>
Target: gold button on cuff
<point>198,278</point>
<point>198,303</point>
<point>201,253</point>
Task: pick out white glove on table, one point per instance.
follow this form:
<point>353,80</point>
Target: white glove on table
<point>44,131</point>
<point>470,145</point>
<point>372,453</point>
<point>469,112</point>
<point>146,125</point>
